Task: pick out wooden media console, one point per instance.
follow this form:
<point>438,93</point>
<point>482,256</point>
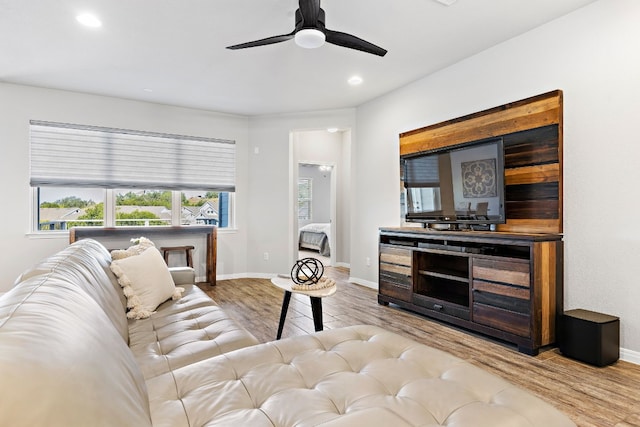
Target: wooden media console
<point>508,283</point>
<point>504,285</point>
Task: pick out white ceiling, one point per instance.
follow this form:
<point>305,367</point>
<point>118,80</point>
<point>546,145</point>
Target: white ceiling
<point>173,51</point>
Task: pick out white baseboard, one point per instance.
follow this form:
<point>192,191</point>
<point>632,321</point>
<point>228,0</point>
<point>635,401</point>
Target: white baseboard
<point>245,276</point>
<point>367,283</point>
<point>265,275</point>
<point>630,356</point>
<point>238,276</point>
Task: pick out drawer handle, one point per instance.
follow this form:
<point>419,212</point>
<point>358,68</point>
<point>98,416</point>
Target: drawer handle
<point>437,307</point>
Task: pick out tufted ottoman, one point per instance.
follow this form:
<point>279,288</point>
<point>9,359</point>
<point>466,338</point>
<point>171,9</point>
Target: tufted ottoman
<point>355,376</point>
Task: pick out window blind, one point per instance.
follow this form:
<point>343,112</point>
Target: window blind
<point>422,171</point>
<point>90,156</point>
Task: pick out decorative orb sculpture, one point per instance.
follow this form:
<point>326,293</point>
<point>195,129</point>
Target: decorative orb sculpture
<point>307,271</point>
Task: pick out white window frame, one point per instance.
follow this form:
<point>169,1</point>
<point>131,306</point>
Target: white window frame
<point>110,212</point>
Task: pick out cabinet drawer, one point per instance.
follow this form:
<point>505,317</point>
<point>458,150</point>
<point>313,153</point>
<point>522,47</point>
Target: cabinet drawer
<point>395,290</point>
<point>495,270</point>
<point>441,306</point>
<point>400,276</point>
<point>504,320</point>
<point>398,256</point>
<point>394,269</point>
<point>509,297</point>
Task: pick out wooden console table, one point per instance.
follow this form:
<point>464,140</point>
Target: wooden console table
<point>77,233</point>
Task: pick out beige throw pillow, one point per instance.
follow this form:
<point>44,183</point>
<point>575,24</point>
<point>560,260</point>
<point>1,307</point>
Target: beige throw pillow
<point>146,282</point>
<point>140,245</point>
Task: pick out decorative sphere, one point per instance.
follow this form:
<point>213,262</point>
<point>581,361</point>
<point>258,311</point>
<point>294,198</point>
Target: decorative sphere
<point>307,271</point>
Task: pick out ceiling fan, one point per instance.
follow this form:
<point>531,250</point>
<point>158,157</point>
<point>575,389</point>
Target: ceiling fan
<point>310,32</point>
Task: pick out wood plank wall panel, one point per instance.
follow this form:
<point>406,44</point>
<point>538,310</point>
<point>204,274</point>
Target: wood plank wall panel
<point>532,174</point>
<point>538,111</point>
<point>532,147</point>
<point>532,133</point>
<point>547,287</point>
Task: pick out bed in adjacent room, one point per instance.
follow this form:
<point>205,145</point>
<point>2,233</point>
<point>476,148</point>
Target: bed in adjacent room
<point>315,237</point>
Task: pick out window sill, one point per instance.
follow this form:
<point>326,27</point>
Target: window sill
<point>48,235</point>
<point>65,234</point>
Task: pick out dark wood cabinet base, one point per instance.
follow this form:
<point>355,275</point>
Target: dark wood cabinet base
<point>504,285</point>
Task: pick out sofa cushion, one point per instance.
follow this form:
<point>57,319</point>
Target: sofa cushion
<point>183,275</point>
<point>181,332</point>
<point>146,282</point>
<point>355,376</point>
<point>62,362</point>
<point>86,264</point>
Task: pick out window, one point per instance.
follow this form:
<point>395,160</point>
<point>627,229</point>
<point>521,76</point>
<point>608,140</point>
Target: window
<point>143,207</point>
<point>206,208</point>
<point>91,176</point>
<point>304,199</point>
<point>60,208</point>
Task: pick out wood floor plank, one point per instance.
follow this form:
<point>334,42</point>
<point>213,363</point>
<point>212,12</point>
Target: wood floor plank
<point>592,396</point>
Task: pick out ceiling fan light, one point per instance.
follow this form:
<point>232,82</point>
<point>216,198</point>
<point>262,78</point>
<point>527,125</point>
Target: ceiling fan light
<point>310,38</point>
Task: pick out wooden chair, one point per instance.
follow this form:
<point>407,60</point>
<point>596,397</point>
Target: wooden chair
<point>187,250</point>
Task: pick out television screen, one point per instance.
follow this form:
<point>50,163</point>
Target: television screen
<point>462,184</point>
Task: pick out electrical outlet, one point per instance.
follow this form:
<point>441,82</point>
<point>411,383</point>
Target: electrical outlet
<point>265,256</point>
<point>368,261</point>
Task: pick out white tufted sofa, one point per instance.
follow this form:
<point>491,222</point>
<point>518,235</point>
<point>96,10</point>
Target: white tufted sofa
<point>69,357</point>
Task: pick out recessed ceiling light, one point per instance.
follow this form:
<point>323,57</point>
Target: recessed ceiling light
<point>146,89</point>
<point>447,2</point>
<point>332,130</point>
<point>89,20</point>
<point>355,80</point>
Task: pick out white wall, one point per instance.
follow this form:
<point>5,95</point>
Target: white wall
<point>322,147</point>
<point>311,149</point>
<point>19,104</point>
<point>263,211</point>
<point>272,166</point>
<point>593,55</point>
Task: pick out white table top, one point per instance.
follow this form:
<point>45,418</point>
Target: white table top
<point>285,283</point>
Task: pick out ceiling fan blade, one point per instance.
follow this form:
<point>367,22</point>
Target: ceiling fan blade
<point>263,42</point>
<point>309,10</point>
<point>353,42</point>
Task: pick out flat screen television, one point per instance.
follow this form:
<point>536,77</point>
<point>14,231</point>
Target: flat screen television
<point>456,185</point>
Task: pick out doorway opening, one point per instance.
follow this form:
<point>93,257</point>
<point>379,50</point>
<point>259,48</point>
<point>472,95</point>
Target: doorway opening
<point>314,203</point>
<point>319,195</point>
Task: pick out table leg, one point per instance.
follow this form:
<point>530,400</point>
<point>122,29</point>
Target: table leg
<point>316,309</point>
<point>283,312</point>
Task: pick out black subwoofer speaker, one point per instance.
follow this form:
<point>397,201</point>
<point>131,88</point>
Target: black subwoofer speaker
<point>590,337</point>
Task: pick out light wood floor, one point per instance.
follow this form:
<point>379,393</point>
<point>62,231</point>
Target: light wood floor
<point>591,396</point>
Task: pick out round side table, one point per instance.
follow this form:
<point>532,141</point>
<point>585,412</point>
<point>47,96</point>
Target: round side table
<point>316,296</point>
